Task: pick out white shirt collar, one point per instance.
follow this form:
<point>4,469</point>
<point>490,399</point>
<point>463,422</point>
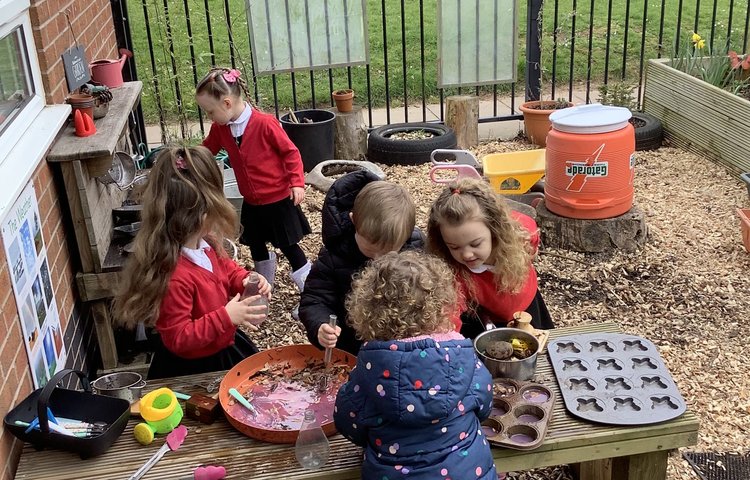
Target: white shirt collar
<point>238,126</point>
<point>198,255</point>
<point>482,268</point>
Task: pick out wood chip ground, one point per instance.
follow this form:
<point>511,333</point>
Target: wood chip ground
<point>687,290</point>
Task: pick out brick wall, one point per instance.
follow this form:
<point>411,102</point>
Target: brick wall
<point>14,362</point>
<point>92,26</point>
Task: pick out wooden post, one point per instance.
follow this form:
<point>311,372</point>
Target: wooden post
<point>104,333</point>
<point>463,117</point>
<point>350,135</point>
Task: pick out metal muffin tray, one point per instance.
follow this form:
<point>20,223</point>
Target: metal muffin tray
<point>614,379</point>
<point>521,412</point>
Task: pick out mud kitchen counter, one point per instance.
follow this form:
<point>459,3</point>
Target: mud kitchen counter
<point>604,452</point>
<point>91,202</point>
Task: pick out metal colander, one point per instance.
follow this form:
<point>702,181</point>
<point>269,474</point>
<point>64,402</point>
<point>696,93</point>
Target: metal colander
<point>122,171</point>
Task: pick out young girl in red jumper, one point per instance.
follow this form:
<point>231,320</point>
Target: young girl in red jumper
<point>179,277</point>
<point>268,168</point>
<point>490,248</point>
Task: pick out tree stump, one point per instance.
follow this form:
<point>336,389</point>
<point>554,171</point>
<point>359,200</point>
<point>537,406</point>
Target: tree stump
<point>627,232</point>
<point>462,115</point>
<point>349,135</point>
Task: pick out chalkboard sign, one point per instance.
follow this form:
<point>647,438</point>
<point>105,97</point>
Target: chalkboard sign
<point>76,67</point>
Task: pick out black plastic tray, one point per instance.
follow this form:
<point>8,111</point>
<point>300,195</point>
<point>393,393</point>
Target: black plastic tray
<point>65,403</point>
<point>614,379</point>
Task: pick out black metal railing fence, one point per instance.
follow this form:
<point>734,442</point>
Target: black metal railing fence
<point>573,45</point>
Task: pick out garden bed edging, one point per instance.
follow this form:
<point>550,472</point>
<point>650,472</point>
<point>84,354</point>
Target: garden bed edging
<point>697,116</point>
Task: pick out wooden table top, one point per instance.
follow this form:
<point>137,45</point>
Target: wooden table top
<point>568,440</point>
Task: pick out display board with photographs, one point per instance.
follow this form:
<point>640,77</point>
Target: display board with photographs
<point>26,254</point>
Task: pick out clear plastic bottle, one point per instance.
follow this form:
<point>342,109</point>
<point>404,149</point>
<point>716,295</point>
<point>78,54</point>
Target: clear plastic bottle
<point>312,447</point>
<point>253,288</point>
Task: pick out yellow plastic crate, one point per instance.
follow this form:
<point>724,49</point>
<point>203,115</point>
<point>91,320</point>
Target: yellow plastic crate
<point>514,172</point>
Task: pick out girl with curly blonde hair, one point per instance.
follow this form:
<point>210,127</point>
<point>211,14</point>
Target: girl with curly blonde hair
<point>490,248</point>
<point>179,278</point>
<point>418,390</point>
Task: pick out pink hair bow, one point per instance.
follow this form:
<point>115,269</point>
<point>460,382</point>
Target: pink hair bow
<point>231,76</point>
<point>180,163</point>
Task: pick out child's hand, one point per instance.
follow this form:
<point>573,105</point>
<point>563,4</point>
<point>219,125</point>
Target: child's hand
<point>297,195</point>
<point>328,335</point>
<point>264,288</point>
<point>242,313</point>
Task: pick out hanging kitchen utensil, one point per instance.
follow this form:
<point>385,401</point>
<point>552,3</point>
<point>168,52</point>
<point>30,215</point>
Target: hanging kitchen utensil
<point>122,171</point>
<point>323,383</point>
<point>130,229</point>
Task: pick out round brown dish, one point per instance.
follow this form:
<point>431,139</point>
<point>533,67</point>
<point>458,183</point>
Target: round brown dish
<point>281,383</point>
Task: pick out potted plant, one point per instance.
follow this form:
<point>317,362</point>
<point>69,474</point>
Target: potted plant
<point>648,129</point>
<point>536,118</point>
<point>703,101</point>
<point>344,99</point>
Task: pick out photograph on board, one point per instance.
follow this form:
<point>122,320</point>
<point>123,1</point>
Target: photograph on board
<point>28,246</point>
<point>16,261</point>
<point>38,242</point>
<point>36,290</point>
<point>39,368</point>
<point>46,282</point>
<point>49,352</point>
<point>29,322</point>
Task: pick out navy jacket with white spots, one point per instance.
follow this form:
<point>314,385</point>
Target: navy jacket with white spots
<point>416,407</point>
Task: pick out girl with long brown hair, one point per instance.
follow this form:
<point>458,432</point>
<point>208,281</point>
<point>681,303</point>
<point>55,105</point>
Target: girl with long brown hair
<point>490,248</point>
<point>179,277</point>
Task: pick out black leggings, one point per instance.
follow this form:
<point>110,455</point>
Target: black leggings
<point>293,253</point>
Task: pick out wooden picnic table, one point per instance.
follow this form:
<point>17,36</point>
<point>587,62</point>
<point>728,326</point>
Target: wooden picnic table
<point>603,451</point>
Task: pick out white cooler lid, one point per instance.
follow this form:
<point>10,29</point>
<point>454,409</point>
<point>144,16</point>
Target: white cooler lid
<point>593,118</point>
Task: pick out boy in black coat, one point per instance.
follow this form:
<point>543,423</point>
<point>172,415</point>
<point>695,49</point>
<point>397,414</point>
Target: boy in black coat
<point>363,218</point>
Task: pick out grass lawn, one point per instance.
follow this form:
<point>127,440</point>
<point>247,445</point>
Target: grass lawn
<point>177,73</point>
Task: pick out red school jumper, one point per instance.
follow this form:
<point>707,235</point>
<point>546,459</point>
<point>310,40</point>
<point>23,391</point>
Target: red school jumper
<point>502,305</point>
<point>193,322</point>
<point>267,164</point>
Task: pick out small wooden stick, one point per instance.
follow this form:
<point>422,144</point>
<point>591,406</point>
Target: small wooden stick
<point>292,116</point>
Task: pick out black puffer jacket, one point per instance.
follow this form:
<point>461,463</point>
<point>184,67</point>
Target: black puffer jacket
<point>330,278</point>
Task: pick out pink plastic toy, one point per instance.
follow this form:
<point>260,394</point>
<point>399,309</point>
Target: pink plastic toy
<point>209,473</point>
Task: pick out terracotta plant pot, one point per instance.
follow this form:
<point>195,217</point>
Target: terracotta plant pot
<point>536,119</point>
<point>83,102</point>
<point>344,99</point>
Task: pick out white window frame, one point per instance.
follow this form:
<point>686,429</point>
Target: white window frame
<point>14,13</point>
<point>27,138</point>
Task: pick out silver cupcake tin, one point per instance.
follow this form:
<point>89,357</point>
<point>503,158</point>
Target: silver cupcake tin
<point>614,379</point>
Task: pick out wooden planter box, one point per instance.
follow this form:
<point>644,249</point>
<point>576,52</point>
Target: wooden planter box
<point>697,116</point>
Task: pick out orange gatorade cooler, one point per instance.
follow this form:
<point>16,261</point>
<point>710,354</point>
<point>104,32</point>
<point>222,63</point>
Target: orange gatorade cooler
<point>589,162</point>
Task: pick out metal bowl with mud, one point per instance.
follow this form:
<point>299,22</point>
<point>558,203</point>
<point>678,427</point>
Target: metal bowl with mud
<point>508,352</point>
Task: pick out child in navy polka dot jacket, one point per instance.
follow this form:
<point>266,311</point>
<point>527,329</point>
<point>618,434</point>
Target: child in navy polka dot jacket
<point>418,394</point>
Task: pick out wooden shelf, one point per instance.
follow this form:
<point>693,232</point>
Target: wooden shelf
<point>81,161</point>
<point>108,129</point>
